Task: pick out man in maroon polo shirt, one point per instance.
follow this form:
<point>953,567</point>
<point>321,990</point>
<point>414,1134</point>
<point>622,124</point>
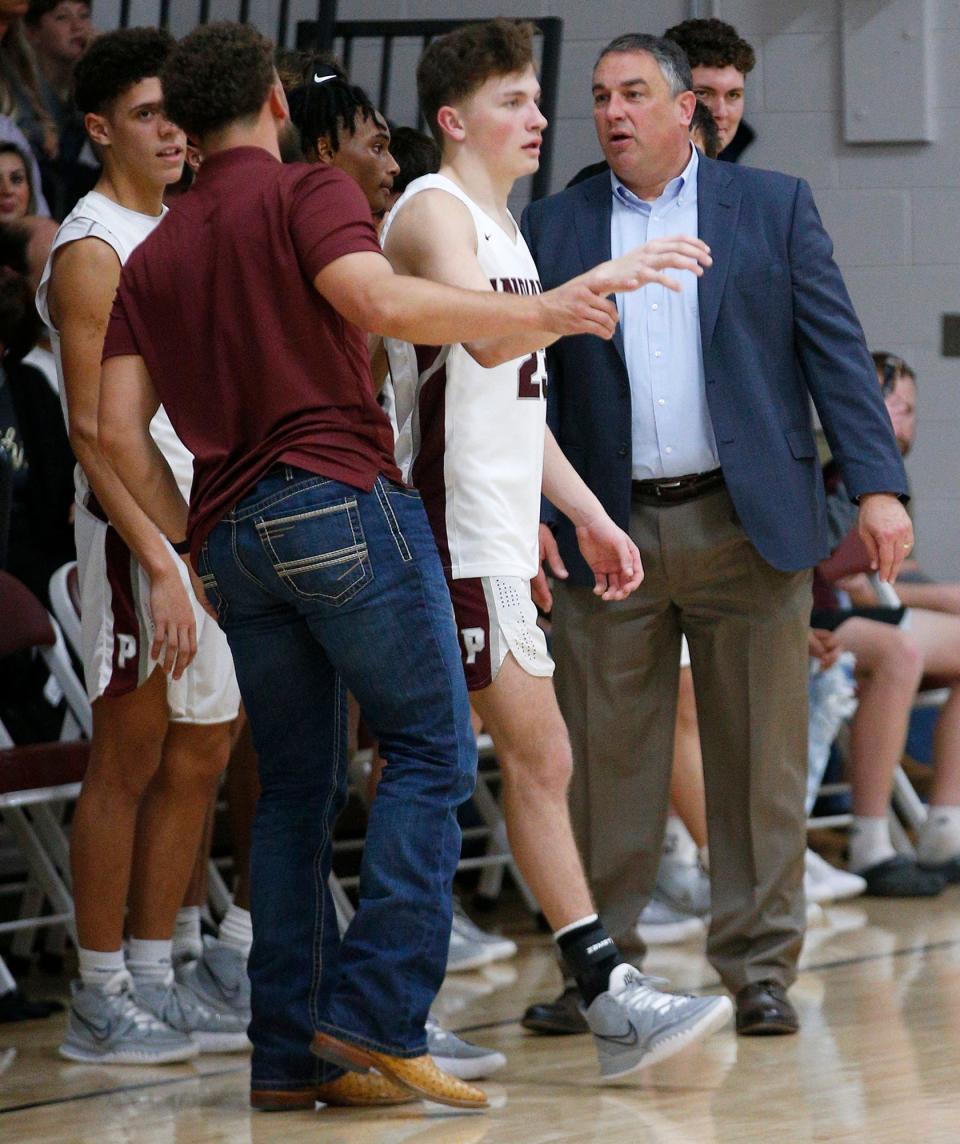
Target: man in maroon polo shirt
<point>244,314</point>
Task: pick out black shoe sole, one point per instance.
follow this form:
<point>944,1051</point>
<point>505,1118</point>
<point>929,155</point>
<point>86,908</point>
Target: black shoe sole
<point>768,1029</point>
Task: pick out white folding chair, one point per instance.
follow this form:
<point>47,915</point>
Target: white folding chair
<point>36,781</point>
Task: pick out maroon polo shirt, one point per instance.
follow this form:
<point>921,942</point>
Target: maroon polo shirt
<point>252,365</point>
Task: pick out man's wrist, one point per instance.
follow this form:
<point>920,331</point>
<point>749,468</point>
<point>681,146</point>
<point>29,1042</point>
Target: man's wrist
<point>866,496</point>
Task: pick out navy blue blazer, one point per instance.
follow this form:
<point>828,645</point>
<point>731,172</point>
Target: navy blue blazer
<point>777,327</point>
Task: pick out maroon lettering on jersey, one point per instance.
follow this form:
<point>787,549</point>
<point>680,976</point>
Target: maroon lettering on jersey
<point>532,378</point>
<point>525,286</point>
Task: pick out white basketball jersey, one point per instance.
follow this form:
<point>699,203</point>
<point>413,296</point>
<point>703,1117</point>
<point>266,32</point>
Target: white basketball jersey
<point>469,438</point>
<point>96,216</point>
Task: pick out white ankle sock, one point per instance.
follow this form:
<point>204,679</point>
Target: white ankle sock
<point>187,938</point>
<point>97,966</point>
<point>149,961</point>
<point>236,929</point>
<point>869,842</point>
<point>939,839</point>
<point>590,918</point>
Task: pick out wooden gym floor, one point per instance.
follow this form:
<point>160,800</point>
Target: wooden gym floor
<point>877,1060</point>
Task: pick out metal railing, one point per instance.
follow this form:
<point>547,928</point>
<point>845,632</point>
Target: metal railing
<point>183,15</point>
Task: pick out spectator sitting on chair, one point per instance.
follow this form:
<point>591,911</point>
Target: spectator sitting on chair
<point>899,382</point>
<point>892,659</point>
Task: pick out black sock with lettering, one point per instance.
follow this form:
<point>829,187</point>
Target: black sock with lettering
<point>590,954</point>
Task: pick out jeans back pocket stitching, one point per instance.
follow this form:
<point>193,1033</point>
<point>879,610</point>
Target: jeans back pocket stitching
<point>308,484</point>
<point>276,523</point>
<point>208,581</point>
<point>393,524</point>
<point>242,568</point>
<point>286,576</point>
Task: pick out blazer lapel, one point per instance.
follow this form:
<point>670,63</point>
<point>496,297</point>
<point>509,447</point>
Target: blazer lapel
<point>592,219</point>
<point>718,208</point>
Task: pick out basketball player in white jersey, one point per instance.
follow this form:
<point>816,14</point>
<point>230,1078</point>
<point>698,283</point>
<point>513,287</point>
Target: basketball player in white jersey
<point>160,732</point>
<point>473,439</point>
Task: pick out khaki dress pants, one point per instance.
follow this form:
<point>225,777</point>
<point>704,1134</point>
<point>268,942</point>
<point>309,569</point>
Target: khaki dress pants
<point>616,680</point>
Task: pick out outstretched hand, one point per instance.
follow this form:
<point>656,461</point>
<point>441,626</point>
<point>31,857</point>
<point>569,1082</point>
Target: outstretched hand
<point>613,558</point>
<point>645,264</point>
<point>583,305</point>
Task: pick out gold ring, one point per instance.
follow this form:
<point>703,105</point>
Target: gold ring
<point>908,547</point>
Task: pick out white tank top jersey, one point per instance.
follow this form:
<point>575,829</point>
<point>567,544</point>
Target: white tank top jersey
<point>96,216</point>
<point>471,439</point>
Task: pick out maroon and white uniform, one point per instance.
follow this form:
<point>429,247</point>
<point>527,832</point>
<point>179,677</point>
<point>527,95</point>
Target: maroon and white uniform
<point>471,440</point>
<point>116,629</point>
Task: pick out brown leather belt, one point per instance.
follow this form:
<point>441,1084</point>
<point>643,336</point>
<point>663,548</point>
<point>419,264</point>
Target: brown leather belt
<point>673,490</point>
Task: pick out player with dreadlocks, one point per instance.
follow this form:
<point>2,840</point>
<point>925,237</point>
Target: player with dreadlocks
<point>339,126</point>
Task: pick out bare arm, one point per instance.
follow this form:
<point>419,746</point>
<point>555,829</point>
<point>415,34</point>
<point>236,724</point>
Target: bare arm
<point>611,554</point>
<point>128,403</point>
<point>434,237</point>
<point>82,287</point>
<point>364,289</point>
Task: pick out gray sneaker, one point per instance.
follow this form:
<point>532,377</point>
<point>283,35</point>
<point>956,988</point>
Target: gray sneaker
<point>107,1026</point>
<point>635,1025</point>
<point>661,924</point>
<point>219,978</point>
<point>471,947</point>
<point>459,1057</point>
<point>683,885</point>
<point>213,1029</point>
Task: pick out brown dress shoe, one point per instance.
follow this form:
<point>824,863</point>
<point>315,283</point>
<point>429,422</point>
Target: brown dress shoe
<point>418,1075</point>
<point>352,1090</point>
<point>763,1010</point>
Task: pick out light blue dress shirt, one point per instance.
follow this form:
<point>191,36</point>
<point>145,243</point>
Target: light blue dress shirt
<point>672,432</point>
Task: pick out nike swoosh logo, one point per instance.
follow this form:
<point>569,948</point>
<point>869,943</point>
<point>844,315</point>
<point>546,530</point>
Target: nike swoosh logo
<point>487,237</point>
<point>627,1039</point>
<point>99,1032</point>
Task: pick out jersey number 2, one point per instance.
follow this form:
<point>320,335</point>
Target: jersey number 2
<point>532,378</point>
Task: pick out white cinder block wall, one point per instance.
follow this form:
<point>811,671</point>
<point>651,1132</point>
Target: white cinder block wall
<point>893,211</point>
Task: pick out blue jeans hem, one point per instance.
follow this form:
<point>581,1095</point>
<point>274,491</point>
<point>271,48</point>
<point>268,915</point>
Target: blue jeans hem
<point>356,1038</point>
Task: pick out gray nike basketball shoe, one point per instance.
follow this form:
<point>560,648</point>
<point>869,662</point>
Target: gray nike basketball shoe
<point>107,1026</point>
<point>635,1025</point>
<point>219,978</point>
<point>214,1028</point>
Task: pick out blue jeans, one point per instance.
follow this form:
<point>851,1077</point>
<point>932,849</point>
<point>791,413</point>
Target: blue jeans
<point>322,588</point>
